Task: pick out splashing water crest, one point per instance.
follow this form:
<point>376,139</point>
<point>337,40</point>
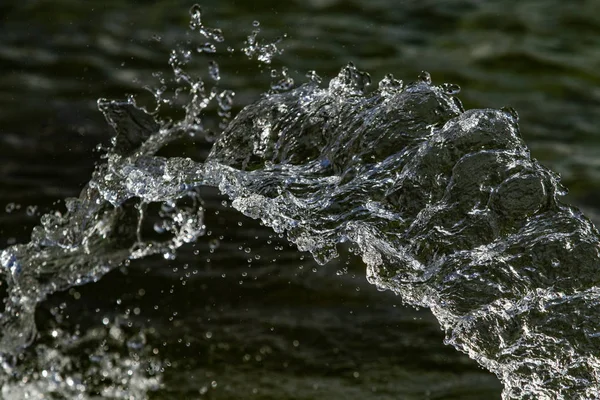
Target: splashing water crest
<point>446,206</point>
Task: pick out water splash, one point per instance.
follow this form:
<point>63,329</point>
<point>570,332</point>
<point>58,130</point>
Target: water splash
<point>117,365</point>
<point>446,207</point>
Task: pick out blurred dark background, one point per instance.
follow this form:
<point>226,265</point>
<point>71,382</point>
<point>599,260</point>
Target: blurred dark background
<point>255,318</point>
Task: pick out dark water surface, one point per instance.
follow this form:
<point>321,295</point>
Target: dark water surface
<point>280,326</point>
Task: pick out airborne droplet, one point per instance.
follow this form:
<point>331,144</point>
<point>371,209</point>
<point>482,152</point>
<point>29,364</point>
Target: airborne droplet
<point>425,77</point>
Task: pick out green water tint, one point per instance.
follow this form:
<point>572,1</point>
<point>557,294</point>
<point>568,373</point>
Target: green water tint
<point>446,206</point>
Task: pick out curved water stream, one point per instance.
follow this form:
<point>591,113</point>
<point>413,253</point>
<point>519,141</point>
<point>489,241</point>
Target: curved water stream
<point>445,206</point>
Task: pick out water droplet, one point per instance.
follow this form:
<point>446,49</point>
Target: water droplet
<point>225,100</point>
<point>425,77</point>
<point>281,82</point>
<point>137,342</point>
<point>263,51</point>
<point>389,85</point>
<point>350,80</point>
<point>512,113</point>
<point>450,89</point>
<point>207,48</point>
<point>215,34</point>
<point>213,70</point>
<point>313,77</point>
<point>31,211</point>
<point>196,16</point>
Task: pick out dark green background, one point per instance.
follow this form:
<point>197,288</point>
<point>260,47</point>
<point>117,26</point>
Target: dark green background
<point>58,57</point>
